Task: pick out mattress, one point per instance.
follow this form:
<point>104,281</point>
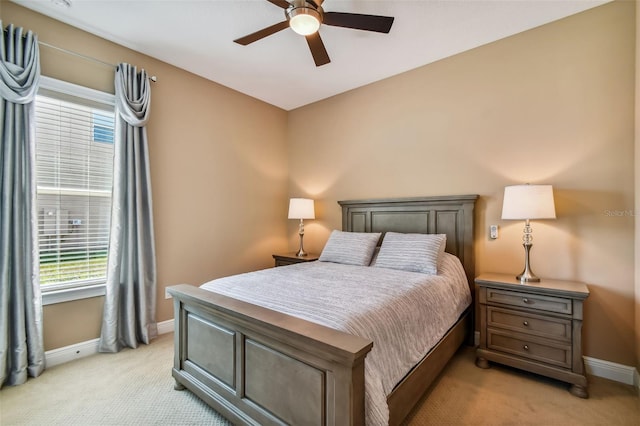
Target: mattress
<point>404,313</point>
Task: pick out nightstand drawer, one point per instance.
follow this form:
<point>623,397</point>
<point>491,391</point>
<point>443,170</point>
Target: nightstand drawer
<point>530,347</point>
<point>523,322</point>
<point>560,305</point>
<point>285,262</point>
<point>292,258</point>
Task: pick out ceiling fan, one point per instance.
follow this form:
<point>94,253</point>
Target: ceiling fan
<point>305,17</point>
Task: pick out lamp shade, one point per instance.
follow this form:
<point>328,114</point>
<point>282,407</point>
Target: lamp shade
<point>528,202</point>
<point>301,208</point>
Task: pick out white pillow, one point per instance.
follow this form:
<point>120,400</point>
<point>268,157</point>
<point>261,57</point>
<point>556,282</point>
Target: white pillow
<point>350,248</point>
<point>412,252</point>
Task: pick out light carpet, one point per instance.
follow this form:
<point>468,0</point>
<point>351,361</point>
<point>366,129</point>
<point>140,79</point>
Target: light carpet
<point>135,387</point>
<point>132,387</point>
<point>467,395</point>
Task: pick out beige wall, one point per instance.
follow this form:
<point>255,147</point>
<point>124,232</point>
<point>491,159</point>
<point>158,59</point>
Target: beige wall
<point>218,170</point>
<point>551,105</point>
<point>637,191</point>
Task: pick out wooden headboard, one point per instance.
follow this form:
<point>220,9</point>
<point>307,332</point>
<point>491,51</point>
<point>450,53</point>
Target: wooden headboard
<point>452,215</point>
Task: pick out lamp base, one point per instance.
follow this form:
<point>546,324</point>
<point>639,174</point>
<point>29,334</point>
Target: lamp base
<point>527,276</point>
<point>301,252</point>
<point>524,278</point>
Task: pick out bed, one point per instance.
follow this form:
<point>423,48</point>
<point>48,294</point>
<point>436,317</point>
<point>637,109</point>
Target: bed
<point>256,365</point>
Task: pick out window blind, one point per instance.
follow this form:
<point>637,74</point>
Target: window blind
<point>74,174</point>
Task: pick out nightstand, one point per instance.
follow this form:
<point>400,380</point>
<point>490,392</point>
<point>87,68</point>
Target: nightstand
<point>536,327</point>
<point>291,258</point>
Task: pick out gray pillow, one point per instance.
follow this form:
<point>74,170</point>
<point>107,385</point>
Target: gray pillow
<point>412,252</point>
<point>350,248</point>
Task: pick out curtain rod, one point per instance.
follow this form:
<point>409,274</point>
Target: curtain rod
<point>89,58</point>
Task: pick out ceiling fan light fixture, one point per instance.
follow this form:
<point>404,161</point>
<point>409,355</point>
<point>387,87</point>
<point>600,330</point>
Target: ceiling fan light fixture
<point>304,20</point>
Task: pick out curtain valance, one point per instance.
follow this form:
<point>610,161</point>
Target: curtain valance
<point>133,95</point>
<point>19,65</point>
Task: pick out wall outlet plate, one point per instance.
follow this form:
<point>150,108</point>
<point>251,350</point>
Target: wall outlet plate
<point>493,232</point>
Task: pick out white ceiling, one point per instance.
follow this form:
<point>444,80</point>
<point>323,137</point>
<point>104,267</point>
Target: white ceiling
<point>197,35</point>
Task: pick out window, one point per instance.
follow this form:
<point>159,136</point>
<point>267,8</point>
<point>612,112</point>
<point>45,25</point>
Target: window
<point>102,127</point>
<point>74,175</point>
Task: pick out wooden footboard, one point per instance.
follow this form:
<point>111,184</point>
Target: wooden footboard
<point>260,367</point>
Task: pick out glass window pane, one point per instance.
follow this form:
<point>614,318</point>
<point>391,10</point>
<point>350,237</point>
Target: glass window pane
<point>74,173</point>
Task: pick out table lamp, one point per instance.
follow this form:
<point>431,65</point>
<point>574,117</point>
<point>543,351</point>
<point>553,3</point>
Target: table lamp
<point>301,208</point>
<point>525,202</point>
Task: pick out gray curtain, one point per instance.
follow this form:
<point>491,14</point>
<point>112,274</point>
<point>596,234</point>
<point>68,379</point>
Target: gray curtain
<point>130,304</point>
<point>21,343</point>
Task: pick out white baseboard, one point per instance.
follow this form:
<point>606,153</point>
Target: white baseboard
<point>71,352</point>
<point>90,347</point>
<point>165,326</point>
<point>610,370</point>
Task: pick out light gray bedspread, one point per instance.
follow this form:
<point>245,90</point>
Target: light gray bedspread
<point>404,313</point>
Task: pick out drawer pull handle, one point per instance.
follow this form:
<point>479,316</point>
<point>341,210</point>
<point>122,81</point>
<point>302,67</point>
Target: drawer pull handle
<point>525,300</point>
<point>525,323</point>
<point>525,347</point>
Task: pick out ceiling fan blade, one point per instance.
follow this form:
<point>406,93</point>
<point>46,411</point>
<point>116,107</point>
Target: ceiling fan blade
<point>280,3</point>
<point>265,32</point>
<point>380,24</point>
<point>320,55</point>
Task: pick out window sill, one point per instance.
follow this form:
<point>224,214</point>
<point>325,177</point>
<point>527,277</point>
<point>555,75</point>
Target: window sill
<point>69,294</point>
